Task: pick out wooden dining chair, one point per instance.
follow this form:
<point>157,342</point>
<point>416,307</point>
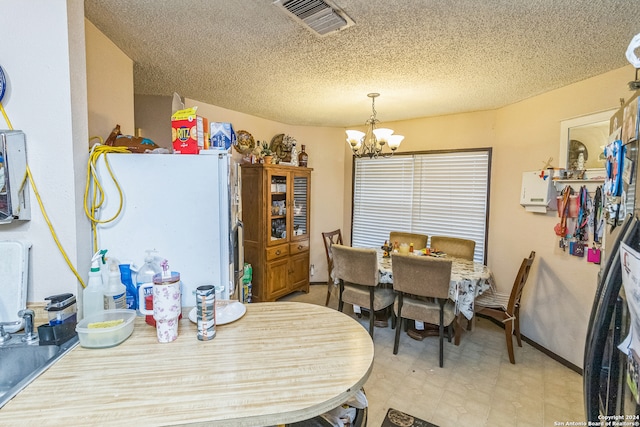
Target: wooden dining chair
<point>330,238</point>
<point>419,240</point>
<point>505,308</point>
<point>357,271</point>
<point>416,281</point>
<point>454,246</point>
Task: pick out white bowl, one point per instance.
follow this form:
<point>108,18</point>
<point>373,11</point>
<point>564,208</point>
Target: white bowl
<point>106,337</point>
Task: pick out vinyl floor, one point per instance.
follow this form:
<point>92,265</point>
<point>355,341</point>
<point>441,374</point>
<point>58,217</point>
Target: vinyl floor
<point>477,386</point>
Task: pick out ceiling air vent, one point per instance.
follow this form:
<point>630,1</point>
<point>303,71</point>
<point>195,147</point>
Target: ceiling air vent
<point>320,16</point>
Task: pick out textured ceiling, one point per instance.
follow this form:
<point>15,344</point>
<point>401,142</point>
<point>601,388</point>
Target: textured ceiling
<point>425,57</point>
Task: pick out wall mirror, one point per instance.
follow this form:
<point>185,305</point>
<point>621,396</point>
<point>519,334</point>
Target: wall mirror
<point>582,141</point>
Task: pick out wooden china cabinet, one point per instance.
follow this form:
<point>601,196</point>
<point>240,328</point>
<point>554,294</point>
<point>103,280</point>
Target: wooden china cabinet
<point>275,212</point>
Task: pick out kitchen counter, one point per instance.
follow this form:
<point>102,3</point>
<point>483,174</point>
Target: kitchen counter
<point>280,363</point>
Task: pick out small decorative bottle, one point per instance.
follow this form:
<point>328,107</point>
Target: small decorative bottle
<point>411,248</point>
<point>294,155</point>
<point>303,158</point>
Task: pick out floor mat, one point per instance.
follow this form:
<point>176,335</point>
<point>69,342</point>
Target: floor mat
<point>397,418</point>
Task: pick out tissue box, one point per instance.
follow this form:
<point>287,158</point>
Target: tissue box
<point>190,135</point>
<point>222,135</point>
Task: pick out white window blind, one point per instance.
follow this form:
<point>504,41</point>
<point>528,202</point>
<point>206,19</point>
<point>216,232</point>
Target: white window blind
<point>438,194</point>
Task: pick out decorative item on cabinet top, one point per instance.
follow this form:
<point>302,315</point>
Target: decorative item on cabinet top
<point>245,143</point>
<point>265,150</point>
<point>280,149</point>
<point>282,146</point>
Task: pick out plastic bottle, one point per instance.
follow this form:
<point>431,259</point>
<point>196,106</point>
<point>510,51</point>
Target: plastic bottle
<point>131,291</point>
<point>115,293</point>
<point>145,275</point>
<point>93,294</point>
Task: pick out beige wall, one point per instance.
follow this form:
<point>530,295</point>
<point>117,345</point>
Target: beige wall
<point>523,136</point>
<point>558,300</point>
<point>153,118</point>
<point>109,85</point>
<point>560,291</point>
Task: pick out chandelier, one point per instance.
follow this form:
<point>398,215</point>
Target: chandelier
<point>370,143</point>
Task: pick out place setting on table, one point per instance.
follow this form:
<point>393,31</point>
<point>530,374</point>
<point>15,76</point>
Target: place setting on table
<point>468,280</point>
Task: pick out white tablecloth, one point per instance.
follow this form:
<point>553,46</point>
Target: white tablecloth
<point>468,280</point>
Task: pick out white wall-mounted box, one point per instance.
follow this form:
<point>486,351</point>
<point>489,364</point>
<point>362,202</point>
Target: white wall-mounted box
<point>14,193</point>
<point>538,193</point>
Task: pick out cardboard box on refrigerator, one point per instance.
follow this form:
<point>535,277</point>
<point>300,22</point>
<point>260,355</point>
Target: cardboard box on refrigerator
<point>189,132</point>
<point>222,135</point>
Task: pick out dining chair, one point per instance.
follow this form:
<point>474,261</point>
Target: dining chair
<point>454,246</point>
<point>357,272</point>
<point>505,308</point>
<point>419,240</point>
<point>416,281</point>
<point>330,238</point>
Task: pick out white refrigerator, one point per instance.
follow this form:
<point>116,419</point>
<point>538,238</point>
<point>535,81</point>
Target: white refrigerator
<point>185,207</point>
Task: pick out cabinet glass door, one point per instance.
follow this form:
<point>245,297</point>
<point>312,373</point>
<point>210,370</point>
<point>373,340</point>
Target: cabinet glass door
<point>278,211</point>
<point>300,205</point>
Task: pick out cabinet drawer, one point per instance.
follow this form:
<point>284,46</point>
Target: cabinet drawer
<point>277,252</point>
<point>297,247</point>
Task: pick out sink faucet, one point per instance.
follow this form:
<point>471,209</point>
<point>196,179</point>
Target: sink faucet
<point>4,335</point>
<point>27,315</point>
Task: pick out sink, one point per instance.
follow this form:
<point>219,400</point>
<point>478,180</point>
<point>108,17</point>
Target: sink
<point>22,363</point>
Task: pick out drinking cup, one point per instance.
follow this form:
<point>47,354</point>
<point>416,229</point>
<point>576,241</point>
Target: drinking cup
<point>166,305</point>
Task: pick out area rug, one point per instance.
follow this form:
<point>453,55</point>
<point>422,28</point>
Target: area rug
<point>397,418</point>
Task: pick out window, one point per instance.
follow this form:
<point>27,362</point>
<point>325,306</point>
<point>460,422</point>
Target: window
<point>433,193</point>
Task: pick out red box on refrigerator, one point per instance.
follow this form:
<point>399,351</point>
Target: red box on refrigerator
<point>190,135</point>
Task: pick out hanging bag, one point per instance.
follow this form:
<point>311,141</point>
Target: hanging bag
<point>563,210</point>
<point>582,233</point>
<point>593,254</point>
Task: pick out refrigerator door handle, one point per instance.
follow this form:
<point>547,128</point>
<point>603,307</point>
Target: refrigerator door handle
<point>238,256</point>
<point>240,246</point>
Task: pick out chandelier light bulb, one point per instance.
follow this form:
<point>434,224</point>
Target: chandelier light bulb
<point>354,138</point>
<point>382,134</point>
<point>394,141</point>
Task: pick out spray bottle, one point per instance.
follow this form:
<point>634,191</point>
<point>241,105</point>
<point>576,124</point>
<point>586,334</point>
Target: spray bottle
<point>115,293</point>
<point>93,294</point>
<point>104,267</point>
<point>131,292</point>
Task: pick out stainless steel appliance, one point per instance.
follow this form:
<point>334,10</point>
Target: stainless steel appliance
<point>185,207</point>
<point>606,392</point>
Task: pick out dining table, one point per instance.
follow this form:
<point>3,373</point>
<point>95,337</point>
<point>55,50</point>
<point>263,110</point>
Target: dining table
<point>279,363</point>
<point>468,280</point>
